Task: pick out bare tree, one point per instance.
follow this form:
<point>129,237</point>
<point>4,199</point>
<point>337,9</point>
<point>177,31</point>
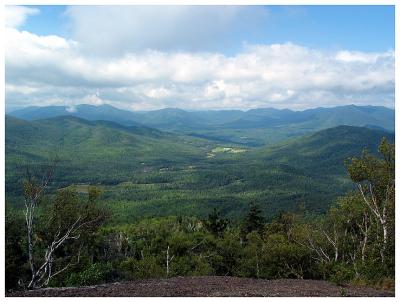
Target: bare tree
<point>65,228</point>
<point>313,238</point>
<point>168,260</point>
<point>333,240</point>
<point>33,192</point>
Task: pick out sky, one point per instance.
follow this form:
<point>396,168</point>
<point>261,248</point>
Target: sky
<point>199,57</point>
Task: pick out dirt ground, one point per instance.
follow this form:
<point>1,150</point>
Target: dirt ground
<point>209,287</point>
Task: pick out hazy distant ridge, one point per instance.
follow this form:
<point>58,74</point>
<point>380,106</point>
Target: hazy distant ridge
<point>171,118</point>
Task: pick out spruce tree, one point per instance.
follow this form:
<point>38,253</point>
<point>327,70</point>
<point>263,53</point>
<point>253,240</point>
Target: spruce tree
<point>216,224</point>
<point>254,221</point>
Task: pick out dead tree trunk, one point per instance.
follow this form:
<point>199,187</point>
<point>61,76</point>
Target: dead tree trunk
<point>334,241</point>
<point>168,261</point>
<point>45,273</point>
<point>33,191</point>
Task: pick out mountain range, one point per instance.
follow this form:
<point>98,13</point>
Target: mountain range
<point>254,127</point>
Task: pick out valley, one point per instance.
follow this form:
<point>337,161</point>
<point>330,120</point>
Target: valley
<point>145,172</point>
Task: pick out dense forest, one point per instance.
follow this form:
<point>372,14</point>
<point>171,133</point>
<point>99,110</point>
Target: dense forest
<point>145,172</point>
<point>67,236</point>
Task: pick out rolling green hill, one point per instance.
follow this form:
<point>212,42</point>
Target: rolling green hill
<point>95,151</point>
<point>147,172</point>
<point>324,152</point>
<point>256,127</point>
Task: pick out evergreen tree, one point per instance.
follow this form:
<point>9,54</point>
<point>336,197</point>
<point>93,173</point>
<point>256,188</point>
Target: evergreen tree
<point>254,221</point>
<point>216,224</point>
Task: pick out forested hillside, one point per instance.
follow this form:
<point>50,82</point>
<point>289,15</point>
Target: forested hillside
<point>146,172</point>
<point>254,127</point>
<point>95,152</point>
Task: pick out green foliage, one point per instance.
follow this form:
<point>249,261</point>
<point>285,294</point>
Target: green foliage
<point>375,177</point>
<point>215,223</point>
<point>377,171</point>
<point>341,273</point>
<point>252,259</point>
<point>201,266</point>
<point>67,208</point>
<point>228,252</point>
<point>53,221</point>
<point>253,221</point>
<point>16,268</point>
<point>147,267</point>
<point>96,273</point>
<point>285,259</point>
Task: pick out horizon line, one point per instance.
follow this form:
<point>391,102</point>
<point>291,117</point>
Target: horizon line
<point>192,110</point>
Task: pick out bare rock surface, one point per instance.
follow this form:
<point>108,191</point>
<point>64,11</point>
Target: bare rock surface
<point>215,286</point>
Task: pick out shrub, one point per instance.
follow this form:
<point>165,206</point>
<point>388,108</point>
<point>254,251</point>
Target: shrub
<point>95,274</point>
<point>341,274</point>
<point>142,269</point>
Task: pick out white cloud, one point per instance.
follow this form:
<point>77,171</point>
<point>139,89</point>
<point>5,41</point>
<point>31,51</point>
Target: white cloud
<point>71,108</point>
<point>157,93</point>
<point>357,56</point>
<point>15,16</point>
<point>92,99</point>
<point>52,70</point>
<point>117,30</point>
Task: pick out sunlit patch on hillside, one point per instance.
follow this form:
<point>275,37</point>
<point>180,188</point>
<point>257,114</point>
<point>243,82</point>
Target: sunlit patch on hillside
<point>228,150</point>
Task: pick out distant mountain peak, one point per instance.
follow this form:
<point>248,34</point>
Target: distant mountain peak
<point>225,124</point>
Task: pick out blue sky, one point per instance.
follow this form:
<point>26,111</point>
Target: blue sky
<point>50,21</point>
<point>200,57</point>
<point>363,28</point>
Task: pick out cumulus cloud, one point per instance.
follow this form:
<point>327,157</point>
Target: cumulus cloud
<point>15,16</point>
<point>117,30</point>
<point>44,70</point>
